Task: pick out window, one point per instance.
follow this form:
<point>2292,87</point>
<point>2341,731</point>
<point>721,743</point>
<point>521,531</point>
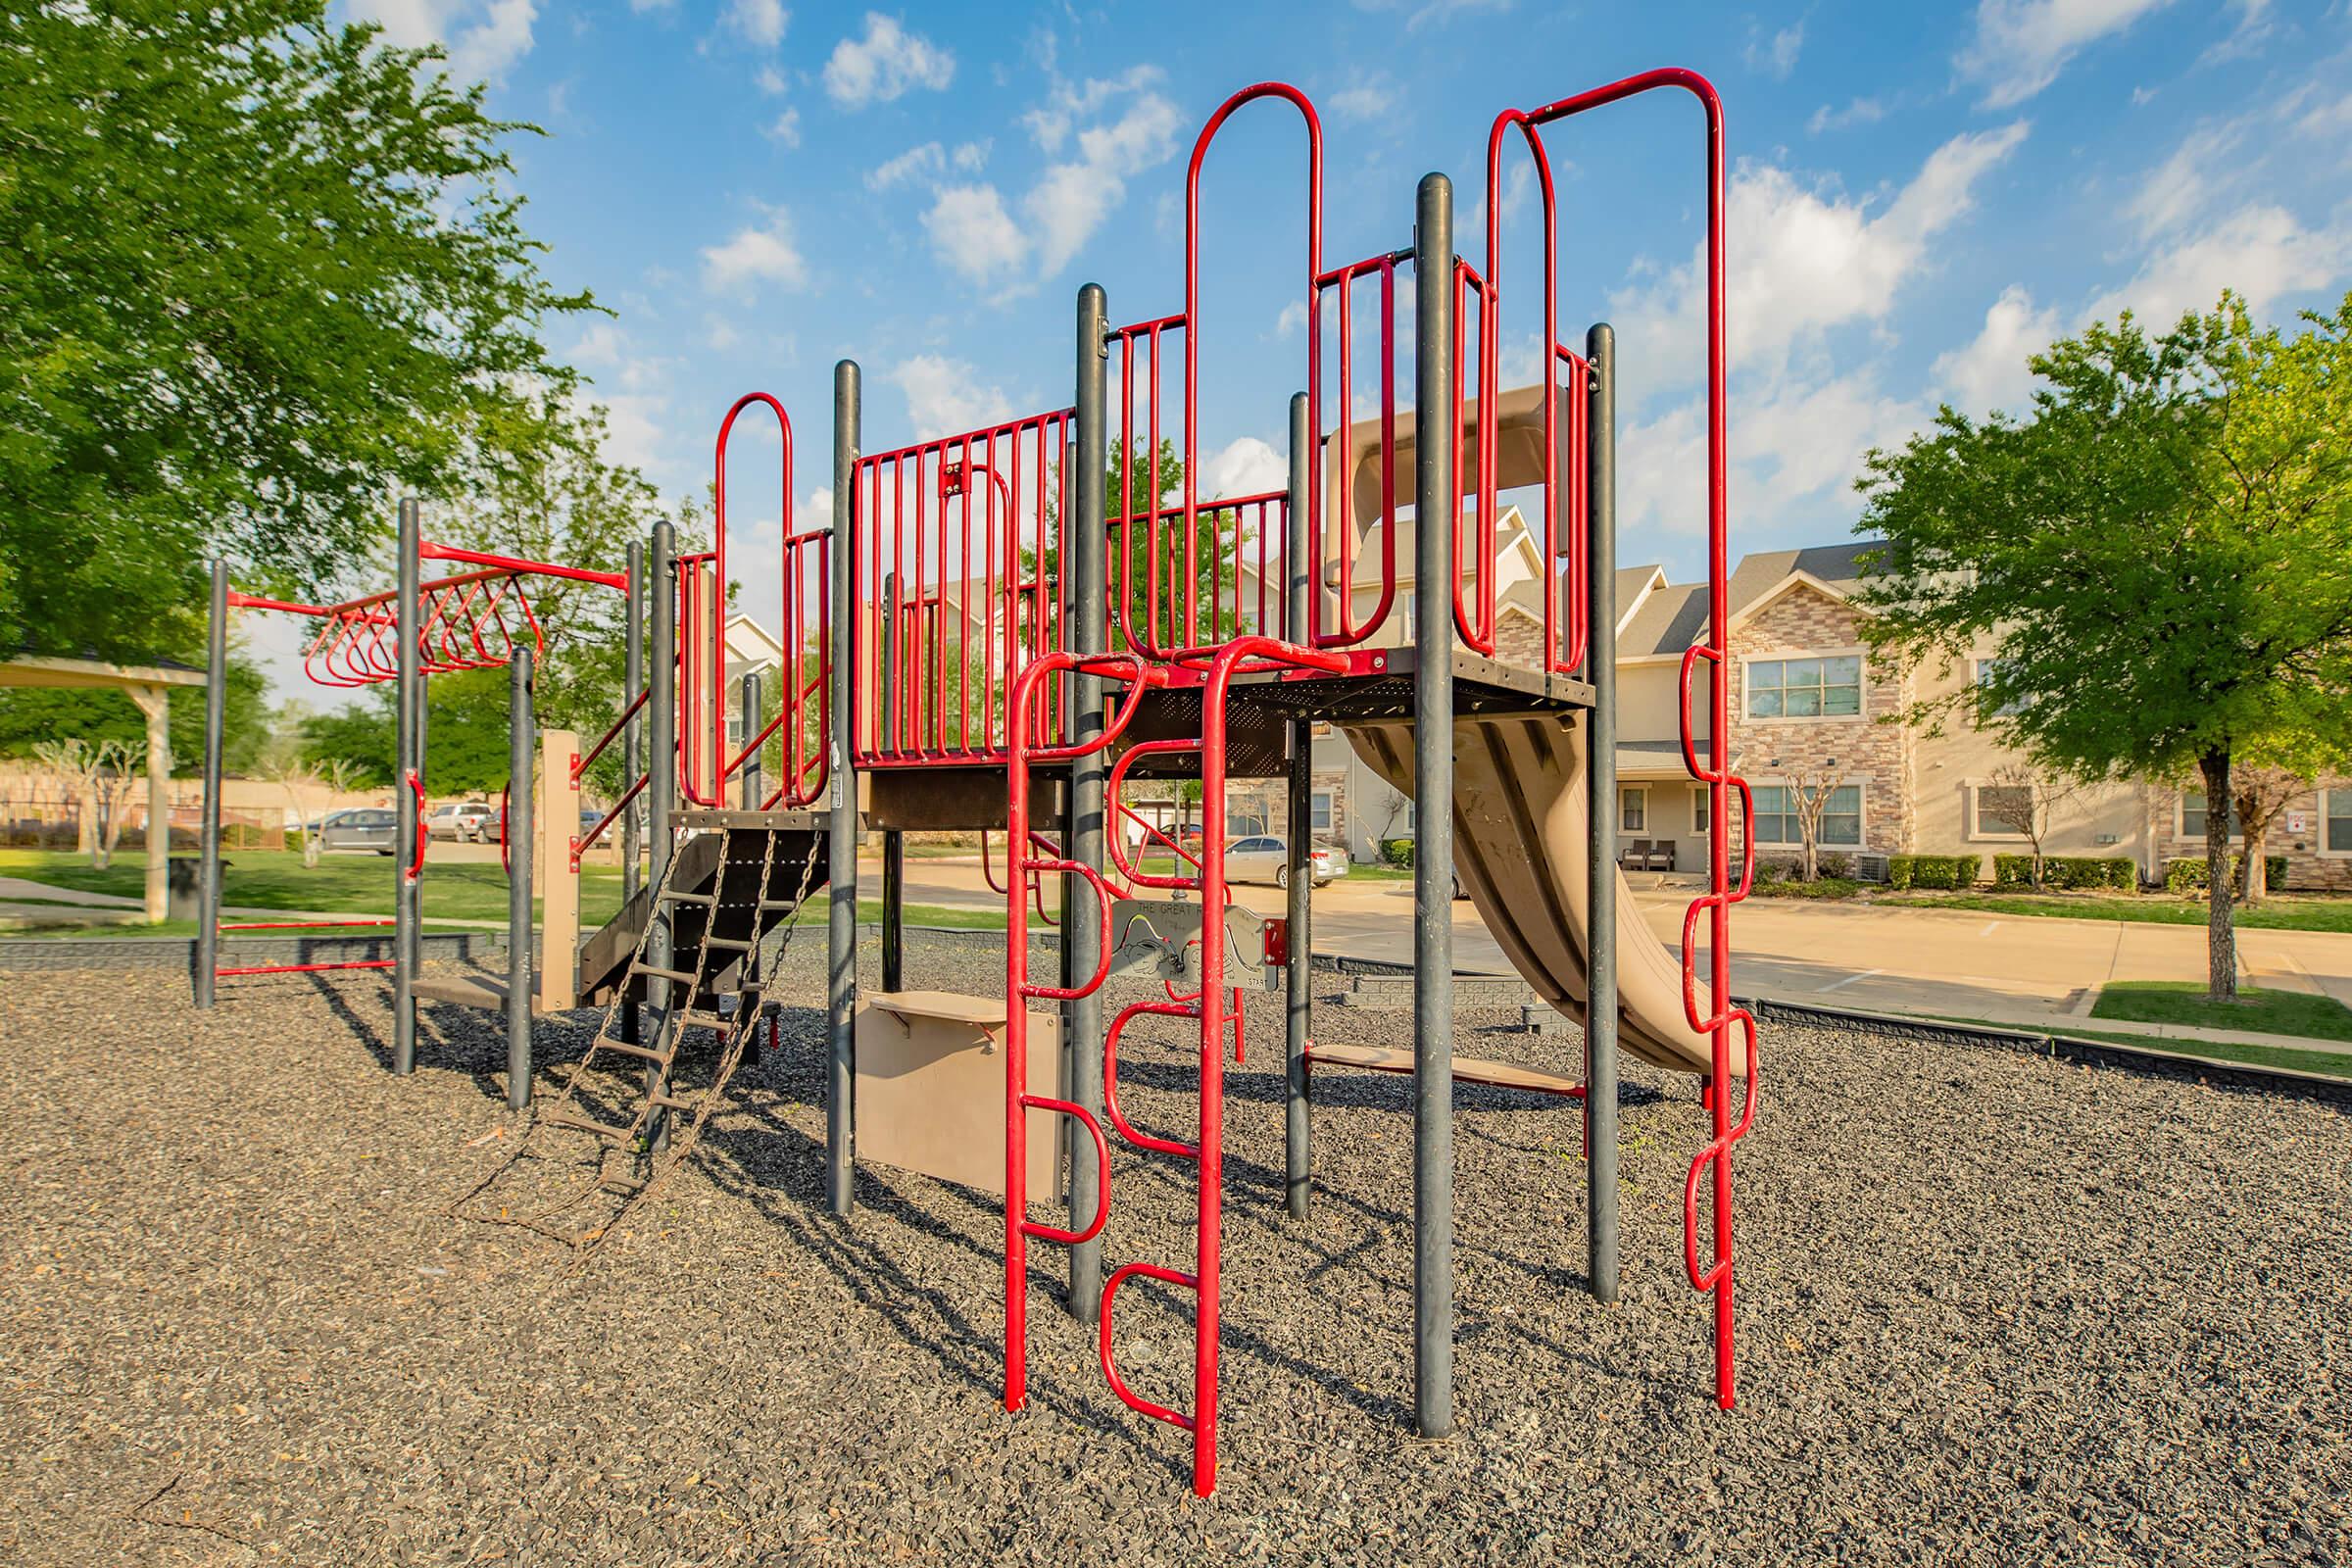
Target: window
<point>1320,815</point>
<point>1805,688</point>
<point>1699,824</point>
<point>2002,812</point>
<point>2336,836</point>
<point>2193,815</point>
<point>1986,670</point>
<point>1777,819</point>
<point>1632,810</point>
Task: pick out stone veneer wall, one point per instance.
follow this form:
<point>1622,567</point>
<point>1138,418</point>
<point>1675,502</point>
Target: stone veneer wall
<point>1803,622</point>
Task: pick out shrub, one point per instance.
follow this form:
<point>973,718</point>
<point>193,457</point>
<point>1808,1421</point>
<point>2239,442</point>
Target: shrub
<point>2186,875</point>
<point>1951,873</point>
<point>1769,874</point>
<point>1398,853</point>
<point>2073,873</point>
<point>1838,866</point>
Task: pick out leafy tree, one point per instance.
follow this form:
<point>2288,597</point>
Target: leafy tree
<point>2025,800</point>
<point>2161,552</point>
<point>31,714</point>
<point>262,272</point>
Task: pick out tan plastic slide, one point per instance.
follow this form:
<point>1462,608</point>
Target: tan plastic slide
<point>1519,852</point>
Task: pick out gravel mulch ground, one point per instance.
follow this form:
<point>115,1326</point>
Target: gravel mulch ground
<point>1995,1309</point>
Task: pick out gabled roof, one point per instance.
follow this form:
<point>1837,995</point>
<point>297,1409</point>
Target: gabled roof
<point>1670,618</point>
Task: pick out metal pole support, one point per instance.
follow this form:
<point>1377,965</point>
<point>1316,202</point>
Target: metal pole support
<point>749,704</point>
<point>522,743</point>
<point>632,756</point>
<point>408,902</point>
<point>1298,1015</point>
<point>1434,500</point>
<point>207,850</point>
<point>1600,774</point>
<point>661,767</point>
<point>1082,562</point>
<point>841,855</point>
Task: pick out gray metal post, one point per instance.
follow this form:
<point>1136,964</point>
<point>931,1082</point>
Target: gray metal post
<point>409,769</point>
<point>207,850</point>
<point>841,856</point>
<point>1600,773</point>
<point>522,742</point>
<point>1298,1015</point>
<point>751,719</point>
<point>1082,544</point>
<point>661,769</point>
<point>1435,435</point>
<point>632,755</point>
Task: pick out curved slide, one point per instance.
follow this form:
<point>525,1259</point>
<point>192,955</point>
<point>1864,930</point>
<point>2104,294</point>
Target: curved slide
<point>1519,852</point>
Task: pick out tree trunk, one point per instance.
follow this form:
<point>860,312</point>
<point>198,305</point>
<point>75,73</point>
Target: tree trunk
<point>2220,935</point>
<point>2253,876</point>
<point>85,825</point>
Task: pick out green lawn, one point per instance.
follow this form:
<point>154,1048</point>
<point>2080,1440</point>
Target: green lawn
<point>339,884</point>
<point>869,911</point>
<point>1379,871</point>
<point>2282,912</point>
<point>2335,1063</point>
<point>2183,1001</point>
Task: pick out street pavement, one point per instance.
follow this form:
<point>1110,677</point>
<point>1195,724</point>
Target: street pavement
<point>2033,971</point>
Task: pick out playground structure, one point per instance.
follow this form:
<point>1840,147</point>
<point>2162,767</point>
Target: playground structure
<point>982,638</point>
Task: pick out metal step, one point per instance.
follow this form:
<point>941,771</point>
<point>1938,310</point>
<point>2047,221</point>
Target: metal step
<point>672,895</point>
<point>733,944</point>
<point>627,1049</point>
<point>619,1135</point>
<point>684,977</point>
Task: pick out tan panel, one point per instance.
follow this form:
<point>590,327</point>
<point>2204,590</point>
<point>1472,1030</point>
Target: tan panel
<point>557,819</point>
<point>930,1092</point>
<point>1519,852</point>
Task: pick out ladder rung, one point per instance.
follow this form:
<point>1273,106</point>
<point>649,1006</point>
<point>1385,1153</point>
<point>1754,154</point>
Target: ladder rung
<point>738,943</point>
<point>621,1184</point>
<point>780,904</point>
<point>676,897</point>
<point>683,977</point>
<point>708,1020</point>
<point>648,1052</point>
<point>619,1135</point>
<point>673,1102</point>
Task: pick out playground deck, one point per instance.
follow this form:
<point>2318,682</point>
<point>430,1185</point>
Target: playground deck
<point>235,1326</point>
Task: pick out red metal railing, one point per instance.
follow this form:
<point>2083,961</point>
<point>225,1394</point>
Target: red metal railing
<point>957,579</point>
<point>1718,1017</point>
<point>1332,544</point>
<point>1209,1005</point>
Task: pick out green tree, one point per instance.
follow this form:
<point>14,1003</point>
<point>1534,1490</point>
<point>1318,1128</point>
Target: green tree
<point>30,715</point>
<point>262,272</point>
<point>2161,554</point>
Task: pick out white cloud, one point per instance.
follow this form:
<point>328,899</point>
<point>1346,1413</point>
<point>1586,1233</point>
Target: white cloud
<point>771,81</point>
<point>484,39</point>
<point>1811,260</point>
<point>720,334</point>
<point>886,63</point>
<point>641,7</point>
<point>1860,112</point>
<point>926,162</point>
<point>974,235</point>
<point>1990,372</point>
<point>1365,97</point>
<point>974,229</point>
<point>2021,45</point>
<point>1246,467</point>
<point>2261,250</point>
<point>786,128</point>
<point>602,343</point>
<point>2182,186</point>
<point>755,256</point>
<point>484,52</point>
<point>760,22</point>
<point>1777,57</point>
<point>972,156</point>
<point>944,397</point>
<point>1292,320</point>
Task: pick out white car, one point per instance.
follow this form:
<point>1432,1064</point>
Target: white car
<point>460,820</point>
<point>1266,858</point>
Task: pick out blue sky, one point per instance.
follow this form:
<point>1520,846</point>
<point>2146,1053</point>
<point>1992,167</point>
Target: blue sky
<point>1921,195</point>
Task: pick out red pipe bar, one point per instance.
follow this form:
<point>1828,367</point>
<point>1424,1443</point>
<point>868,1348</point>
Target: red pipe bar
<point>1713,1163</point>
<point>304,969</point>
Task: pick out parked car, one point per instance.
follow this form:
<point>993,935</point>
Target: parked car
<point>459,821</point>
<point>361,828</point>
<point>1266,858</point>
